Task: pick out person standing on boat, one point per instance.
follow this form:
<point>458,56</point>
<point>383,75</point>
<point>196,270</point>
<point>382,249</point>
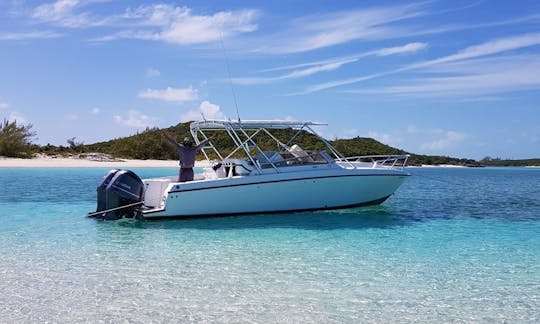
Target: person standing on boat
<point>187,153</point>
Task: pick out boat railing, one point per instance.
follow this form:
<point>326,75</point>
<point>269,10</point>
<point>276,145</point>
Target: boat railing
<point>376,161</point>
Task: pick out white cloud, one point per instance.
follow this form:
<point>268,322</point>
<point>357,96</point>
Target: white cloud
<point>386,138</point>
<point>206,109</point>
<point>319,68</point>
<point>63,13</point>
<point>425,140</point>
<point>45,34</point>
<point>488,48</point>
<point>95,111</point>
<point>15,116</point>
<point>408,48</point>
<point>449,139</point>
<point>480,79</point>
<point>179,25</point>
<point>333,84</point>
<point>152,72</point>
<point>156,22</point>
<point>188,29</point>
<point>496,46</point>
<point>350,132</point>
<point>4,105</point>
<point>71,117</point>
<point>170,94</point>
<point>135,119</point>
<point>482,99</point>
<point>311,68</point>
<point>324,30</point>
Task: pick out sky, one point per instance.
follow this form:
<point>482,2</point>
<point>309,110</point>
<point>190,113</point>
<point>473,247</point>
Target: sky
<point>454,78</point>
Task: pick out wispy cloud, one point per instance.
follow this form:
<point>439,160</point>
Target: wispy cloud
<point>152,72</point>
<point>29,35</point>
<point>349,132</point>
<point>488,48</point>
<point>481,77</point>
<point>386,138</point>
<point>320,31</point>
<point>313,69</point>
<point>64,13</point>
<point>492,47</point>
<point>135,119</point>
<point>4,105</point>
<point>206,109</point>
<point>170,94</point>
<point>179,25</point>
<point>153,22</point>
<point>15,116</point>
<point>307,69</point>
<point>445,140</point>
<point>338,83</point>
<point>408,48</point>
<point>95,111</point>
<point>427,140</point>
<point>533,18</point>
<point>71,117</point>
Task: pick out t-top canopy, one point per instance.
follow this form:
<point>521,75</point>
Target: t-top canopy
<point>250,124</point>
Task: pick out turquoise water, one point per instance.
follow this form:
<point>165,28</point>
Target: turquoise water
<point>452,245</point>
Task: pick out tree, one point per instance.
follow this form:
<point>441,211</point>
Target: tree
<point>75,145</point>
<point>15,140</point>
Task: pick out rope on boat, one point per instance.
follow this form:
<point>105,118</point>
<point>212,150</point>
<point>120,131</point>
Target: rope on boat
<point>113,209</point>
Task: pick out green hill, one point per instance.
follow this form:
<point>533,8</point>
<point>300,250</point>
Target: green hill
<point>151,144</point>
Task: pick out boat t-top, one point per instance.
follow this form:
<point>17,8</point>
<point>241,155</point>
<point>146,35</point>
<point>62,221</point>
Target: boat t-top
<point>253,179</point>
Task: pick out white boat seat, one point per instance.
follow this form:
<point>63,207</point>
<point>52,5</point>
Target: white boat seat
<point>300,154</point>
<point>269,157</point>
<point>234,167</point>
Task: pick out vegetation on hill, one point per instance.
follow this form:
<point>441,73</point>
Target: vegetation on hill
<point>152,144</point>
<point>15,141</point>
<point>487,161</point>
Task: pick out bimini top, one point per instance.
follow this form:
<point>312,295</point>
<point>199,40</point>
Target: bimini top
<point>250,124</point>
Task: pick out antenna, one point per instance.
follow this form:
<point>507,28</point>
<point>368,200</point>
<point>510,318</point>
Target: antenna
<point>229,75</point>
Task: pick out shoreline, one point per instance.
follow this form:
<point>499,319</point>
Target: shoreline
<point>74,162</point>
<point>42,162</point>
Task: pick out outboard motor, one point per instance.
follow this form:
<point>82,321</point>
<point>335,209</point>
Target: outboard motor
<point>119,188</point>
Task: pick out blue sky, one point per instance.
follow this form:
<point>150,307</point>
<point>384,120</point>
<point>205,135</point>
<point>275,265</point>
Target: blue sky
<point>457,78</point>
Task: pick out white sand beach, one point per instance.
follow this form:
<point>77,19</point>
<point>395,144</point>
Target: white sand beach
<point>48,162</point>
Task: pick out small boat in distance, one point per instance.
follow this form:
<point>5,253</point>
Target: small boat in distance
<point>252,180</point>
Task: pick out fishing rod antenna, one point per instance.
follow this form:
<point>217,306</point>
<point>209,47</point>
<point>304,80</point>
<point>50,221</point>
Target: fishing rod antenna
<point>229,75</point>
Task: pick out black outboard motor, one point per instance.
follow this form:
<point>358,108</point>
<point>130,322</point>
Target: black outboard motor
<point>119,188</point>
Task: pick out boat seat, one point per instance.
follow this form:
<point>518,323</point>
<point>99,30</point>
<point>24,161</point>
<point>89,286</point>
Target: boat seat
<point>232,167</point>
<point>300,154</point>
<point>264,160</point>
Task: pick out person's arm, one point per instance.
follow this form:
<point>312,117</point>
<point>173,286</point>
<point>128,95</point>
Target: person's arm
<point>173,143</point>
<point>203,143</point>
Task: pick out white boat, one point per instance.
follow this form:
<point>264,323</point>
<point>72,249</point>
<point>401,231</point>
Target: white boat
<point>250,180</point>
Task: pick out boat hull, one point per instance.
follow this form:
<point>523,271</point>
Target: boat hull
<point>278,193</point>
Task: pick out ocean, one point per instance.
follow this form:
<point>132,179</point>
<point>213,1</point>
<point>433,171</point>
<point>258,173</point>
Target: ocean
<point>451,245</point>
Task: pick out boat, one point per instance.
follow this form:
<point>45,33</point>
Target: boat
<point>251,179</point>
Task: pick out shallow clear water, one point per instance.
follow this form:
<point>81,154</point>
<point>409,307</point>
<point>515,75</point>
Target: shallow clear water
<point>452,245</point>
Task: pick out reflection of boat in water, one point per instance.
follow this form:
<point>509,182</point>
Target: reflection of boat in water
<point>252,180</point>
